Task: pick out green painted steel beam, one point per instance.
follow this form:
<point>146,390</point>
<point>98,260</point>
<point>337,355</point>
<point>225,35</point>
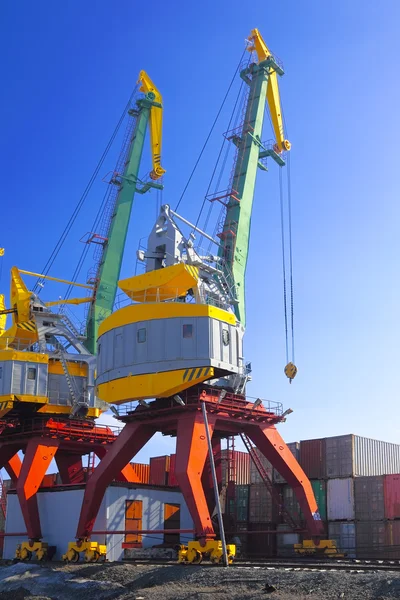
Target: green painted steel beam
<point>110,266</point>
<point>235,234</point>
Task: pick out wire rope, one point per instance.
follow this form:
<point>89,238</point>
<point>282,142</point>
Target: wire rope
<point>283,264</point>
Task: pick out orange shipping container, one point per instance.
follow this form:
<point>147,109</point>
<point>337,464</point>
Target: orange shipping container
<point>142,471</point>
<point>172,480</point>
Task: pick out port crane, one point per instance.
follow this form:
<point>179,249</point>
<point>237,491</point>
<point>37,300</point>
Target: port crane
<point>48,404</point>
<point>180,342</point>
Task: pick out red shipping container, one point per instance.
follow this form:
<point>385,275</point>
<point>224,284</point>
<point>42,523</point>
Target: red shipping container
<point>172,480</point>
<point>238,463</point>
<point>391,493</point>
<point>312,458</point>
<point>142,471</point>
<point>49,480</point>
<point>392,538</point>
<point>159,468</point>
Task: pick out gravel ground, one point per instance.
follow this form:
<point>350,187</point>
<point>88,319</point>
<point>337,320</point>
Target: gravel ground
<point>145,582</point>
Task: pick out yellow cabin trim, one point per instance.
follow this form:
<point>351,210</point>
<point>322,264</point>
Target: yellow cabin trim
<point>152,385</point>
<point>10,354</point>
<point>24,398</point>
<point>161,284</point>
<point>76,369</point>
<point>136,313</point>
<point>66,410</point>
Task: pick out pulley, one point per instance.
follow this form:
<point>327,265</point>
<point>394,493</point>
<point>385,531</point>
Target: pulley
<point>290,371</point>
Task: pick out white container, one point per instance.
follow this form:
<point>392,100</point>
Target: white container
<point>340,499</point>
<point>255,476</point>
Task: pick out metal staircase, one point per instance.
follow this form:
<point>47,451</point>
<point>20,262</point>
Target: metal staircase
<point>73,389</point>
<point>287,517</point>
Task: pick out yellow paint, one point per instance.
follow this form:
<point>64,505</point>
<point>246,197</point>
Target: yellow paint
<point>75,301</point>
<point>55,409</point>
<point>93,551</point>
<point>273,98</point>
<point>24,398</point>
<point>35,357</point>
<point>151,385</point>
<point>5,407</point>
<point>161,284</point>
<point>3,316</point>
<point>74,283</point>
<point>136,313</point>
<point>23,328</point>
<point>195,551</point>
<point>156,118</point>
<point>77,369</point>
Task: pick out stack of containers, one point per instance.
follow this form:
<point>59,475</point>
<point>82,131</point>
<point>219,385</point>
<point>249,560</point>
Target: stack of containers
<point>362,492</point>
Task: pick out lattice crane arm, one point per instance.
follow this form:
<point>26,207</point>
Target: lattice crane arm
<point>156,122</point>
<point>274,103</point>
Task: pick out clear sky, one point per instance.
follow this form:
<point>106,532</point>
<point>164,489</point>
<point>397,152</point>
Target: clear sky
<point>68,70</point>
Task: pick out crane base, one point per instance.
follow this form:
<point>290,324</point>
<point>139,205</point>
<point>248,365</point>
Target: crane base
<point>324,547</point>
<point>194,552</point>
<point>28,550</point>
<point>91,551</point>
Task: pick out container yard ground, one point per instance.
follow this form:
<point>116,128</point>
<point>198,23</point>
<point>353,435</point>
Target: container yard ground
<point>129,582</point>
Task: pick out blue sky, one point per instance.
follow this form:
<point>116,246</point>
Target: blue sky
<point>69,70</point>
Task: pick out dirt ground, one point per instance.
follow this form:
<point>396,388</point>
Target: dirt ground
<point>115,581</point>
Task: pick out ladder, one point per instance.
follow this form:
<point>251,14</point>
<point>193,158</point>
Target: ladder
<point>73,390</point>
<point>3,499</point>
<point>287,517</point>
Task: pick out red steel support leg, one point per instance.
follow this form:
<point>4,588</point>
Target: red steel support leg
<point>70,467</point>
<point>127,474</point>
<point>13,468</point>
<point>132,439</point>
<point>38,456</point>
<point>271,444</point>
<point>191,454</point>
<point>206,478</point>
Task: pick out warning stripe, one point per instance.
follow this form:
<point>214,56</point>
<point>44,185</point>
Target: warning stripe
<point>28,325</point>
<point>194,271</point>
<point>189,374</point>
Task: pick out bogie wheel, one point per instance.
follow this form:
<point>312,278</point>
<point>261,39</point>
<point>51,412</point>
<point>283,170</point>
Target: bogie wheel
<point>198,558</point>
<point>215,559</point>
<point>26,554</point>
<point>41,555</point>
<point>74,556</point>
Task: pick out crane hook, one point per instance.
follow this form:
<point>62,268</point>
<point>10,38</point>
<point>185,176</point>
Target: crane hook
<point>290,371</point>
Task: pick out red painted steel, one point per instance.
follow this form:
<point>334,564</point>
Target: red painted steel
<point>228,416</point>
<point>312,458</point>
<point>70,467</point>
<point>206,478</point>
<point>159,467</point>
<point>391,492</point>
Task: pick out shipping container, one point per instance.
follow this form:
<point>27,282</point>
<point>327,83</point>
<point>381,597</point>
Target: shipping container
<point>290,502</point>
<point>392,540</point>
<point>368,498</point>
<point>370,539</point>
<point>344,534</point>
<point>312,458</point>
<point>319,489</point>
<point>294,448</point>
<point>255,477</point>
<point>356,456</point>
<point>391,494</point>
<point>261,545</point>
<point>142,471</point>
<point>49,480</point>
<point>172,480</point>
<point>261,507</point>
<point>159,468</point>
<point>236,465</point>
<point>285,541</point>
<point>340,499</point>
<point>238,506</point>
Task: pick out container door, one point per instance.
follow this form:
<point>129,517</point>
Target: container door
<point>172,520</point>
<point>133,522</point>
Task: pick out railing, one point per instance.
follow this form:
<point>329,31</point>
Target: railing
<point>65,428</point>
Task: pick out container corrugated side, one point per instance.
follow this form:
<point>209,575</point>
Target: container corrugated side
<point>255,477</point>
<point>372,457</point>
<point>392,540</point>
<point>261,507</point>
<point>172,480</point>
<point>240,466</point>
<point>370,539</point>
<point>159,467</point>
<point>261,545</point>
<point>285,541</point>
<point>294,448</point>
<point>339,456</point>
<point>240,503</point>
<point>368,498</point>
<point>344,534</point>
<point>142,471</point>
<point>319,489</point>
<point>391,493</point>
<point>340,499</point>
<point>312,458</point>
<point>290,502</point>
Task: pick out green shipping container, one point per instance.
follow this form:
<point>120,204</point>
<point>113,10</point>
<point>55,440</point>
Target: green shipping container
<point>319,489</point>
<point>242,503</point>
